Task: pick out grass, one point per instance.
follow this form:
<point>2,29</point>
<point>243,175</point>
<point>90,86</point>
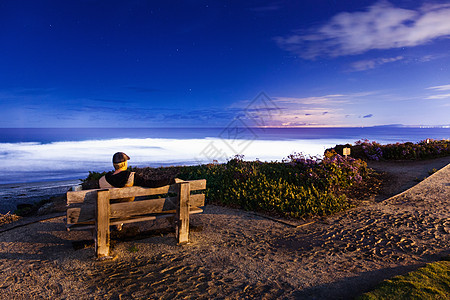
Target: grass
<point>429,282</point>
<point>24,210</point>
<point>133,249</point>
<point>8,218</point>
<point>432,171</point>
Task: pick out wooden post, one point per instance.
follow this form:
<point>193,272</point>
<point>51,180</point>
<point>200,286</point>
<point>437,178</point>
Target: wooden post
<point>102,212</point>
<point>182,215</point>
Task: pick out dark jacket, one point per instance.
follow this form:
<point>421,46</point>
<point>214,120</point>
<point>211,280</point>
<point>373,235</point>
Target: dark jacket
<point>120,179</point>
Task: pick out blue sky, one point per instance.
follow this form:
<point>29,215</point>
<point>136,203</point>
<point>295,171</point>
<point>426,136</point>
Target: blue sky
<point>88,63</point>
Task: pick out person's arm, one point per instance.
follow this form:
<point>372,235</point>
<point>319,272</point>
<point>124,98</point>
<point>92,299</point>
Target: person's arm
<point>152,183</point>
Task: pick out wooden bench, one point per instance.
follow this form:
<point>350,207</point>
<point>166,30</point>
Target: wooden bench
<point>91,209</point>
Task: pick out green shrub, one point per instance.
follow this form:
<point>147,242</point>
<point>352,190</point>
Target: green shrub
<point>296,187</point>
<point>93,176</point>
<point>426,149</point>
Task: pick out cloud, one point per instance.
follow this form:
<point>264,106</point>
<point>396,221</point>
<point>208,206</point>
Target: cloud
<point>34,91</point>
<point>263,109</point>
<point>316,100</point>
<point>211,115</point>
<point>368,116</point>
<point>25,95</point>
<point>267,8</point>
<point>440,88</point>
<point>380,26</point>
<point>430,57</point>
<point>311,117</point>
<point>363,65</point>
<point>293,111</point>
<point>441,96</point>
<point>108,100</point>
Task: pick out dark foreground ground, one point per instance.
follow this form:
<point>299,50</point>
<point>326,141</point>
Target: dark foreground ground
<point>236,254</point>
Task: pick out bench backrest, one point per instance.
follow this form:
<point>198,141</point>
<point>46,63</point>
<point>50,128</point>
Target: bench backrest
<point>81,204</point>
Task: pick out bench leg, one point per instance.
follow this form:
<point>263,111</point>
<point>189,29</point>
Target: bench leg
<point>102,214</point>
<point>182,215</point>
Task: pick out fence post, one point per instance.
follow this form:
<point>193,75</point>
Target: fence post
<point>102,213</point>
<point>182,215</point>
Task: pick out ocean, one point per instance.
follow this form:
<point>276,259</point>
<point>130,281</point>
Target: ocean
<point>40,162</point>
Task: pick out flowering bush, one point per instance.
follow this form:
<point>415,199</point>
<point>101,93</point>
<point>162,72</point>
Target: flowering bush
<point>296,187</point>
<point>425,149</point>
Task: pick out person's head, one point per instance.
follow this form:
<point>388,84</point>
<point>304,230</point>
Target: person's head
<point>120,161</point>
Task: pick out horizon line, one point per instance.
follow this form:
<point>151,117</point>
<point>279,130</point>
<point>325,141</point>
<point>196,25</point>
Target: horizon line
<point>222,127</point>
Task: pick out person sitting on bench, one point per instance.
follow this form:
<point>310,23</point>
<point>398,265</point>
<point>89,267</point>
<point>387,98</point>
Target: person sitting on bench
<point>122,177</point>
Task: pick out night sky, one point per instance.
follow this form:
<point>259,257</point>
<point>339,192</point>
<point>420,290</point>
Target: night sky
<point>88,63</point>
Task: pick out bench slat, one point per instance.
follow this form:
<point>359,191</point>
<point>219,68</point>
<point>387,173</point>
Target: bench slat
<point>83,214</point>
<point>119,210</point>
<point>90,225</point>
<point>192,211</point>
<point>127,209</point>
<point>87,196</point>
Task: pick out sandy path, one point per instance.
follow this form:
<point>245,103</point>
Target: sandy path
<point>403,175</point>
<point>235,254</point>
